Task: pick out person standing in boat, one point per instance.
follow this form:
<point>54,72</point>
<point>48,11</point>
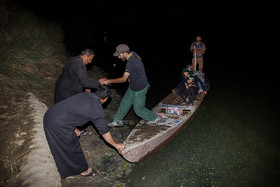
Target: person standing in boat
<point>198,49</point>
<point>137,90</point>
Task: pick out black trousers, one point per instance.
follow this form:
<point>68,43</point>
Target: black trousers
<point>189,93</point>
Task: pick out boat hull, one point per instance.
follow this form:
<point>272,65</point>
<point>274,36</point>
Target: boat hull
<point>146,139</point>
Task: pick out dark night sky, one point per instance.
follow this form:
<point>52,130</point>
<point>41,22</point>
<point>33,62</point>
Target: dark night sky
<point>159,31</point>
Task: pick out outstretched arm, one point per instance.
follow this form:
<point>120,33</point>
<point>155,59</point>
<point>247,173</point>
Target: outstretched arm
<point>108,138</point>
<point>81,73</point>
<point>118,80</point>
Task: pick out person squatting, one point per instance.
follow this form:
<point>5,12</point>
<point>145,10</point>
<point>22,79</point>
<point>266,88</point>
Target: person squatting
<point>192,84</point>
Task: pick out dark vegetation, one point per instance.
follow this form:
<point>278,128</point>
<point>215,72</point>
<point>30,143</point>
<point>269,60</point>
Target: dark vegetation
<point>32,54</point>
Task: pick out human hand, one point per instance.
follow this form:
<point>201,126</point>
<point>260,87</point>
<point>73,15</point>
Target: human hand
<point>87,90</point>
<point>101,80</point>
<point>105,82</point>
<point>78,132</point>
<point>173,90</point>
<point>120,147</point>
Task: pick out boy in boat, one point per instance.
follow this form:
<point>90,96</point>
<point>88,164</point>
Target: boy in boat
<point>186,72</point>
<point>191,90</point>
<point>60,123</point>
<point>199,80</point>
<point>202,83</point>
<point>198,49</point>
<point>137,90</point>
<point>187,88</point>
<point>189,69</point>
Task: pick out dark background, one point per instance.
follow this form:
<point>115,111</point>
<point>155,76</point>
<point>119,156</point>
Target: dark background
<point>157,31</point>
<point>161,33</point>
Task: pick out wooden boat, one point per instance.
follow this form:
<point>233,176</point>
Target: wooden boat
<point>146,139</point>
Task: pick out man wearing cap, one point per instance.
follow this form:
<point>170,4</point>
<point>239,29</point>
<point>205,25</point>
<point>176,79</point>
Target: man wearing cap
<point>138,87</point>
<point>73,79</point>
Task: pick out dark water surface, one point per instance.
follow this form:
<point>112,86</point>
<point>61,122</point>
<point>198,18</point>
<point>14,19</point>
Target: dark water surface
<point>232,141</point>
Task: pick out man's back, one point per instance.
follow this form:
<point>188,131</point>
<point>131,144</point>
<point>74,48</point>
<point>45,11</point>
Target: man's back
<point>138,78</point>
<point>67,83</point>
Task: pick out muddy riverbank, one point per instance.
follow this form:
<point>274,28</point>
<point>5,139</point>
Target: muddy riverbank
<point>18,139</point>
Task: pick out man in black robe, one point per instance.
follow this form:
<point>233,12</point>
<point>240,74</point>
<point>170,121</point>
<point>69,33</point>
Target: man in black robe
<point>60,123</point>
<point>73,78</point>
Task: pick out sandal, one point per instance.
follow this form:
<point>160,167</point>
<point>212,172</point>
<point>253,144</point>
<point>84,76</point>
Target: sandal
<point>92,173</point>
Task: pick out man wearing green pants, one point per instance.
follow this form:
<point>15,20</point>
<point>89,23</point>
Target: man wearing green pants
<point>138,87</point>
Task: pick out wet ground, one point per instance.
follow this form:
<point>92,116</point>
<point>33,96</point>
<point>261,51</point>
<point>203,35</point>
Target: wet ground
<point>232,141</point>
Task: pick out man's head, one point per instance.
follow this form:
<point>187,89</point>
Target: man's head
<point>187,72</point>
<point>87,55</point>
<point>198,38</point>
<point>122,51</point>
<point>103,93</point>
<point>190,80</point>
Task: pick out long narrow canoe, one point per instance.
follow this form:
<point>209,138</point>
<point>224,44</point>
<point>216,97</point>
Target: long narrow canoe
<point>146,139</point>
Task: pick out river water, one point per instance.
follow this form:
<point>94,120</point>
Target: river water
<point>232,141</point>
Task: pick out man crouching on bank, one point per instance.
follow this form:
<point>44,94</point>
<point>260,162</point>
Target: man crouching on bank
<point>60,123</point>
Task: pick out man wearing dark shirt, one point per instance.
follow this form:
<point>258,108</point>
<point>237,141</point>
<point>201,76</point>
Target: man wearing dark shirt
<point>60,123</point>
<point>138,87</point>
<point>73,78</point>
